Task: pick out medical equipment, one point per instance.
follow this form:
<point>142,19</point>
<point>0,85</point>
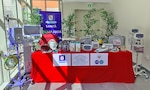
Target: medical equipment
<point>117,40</point>
<point>131,39</point>
<point>85,40</point>
<point>48,43</point>
<point>64,46</point>
<point>32,30</point>
<point>138,45</point>
<point>95,44</point>
<point>87,47</point>
<point>17,37</point>
<point>52,44</point>
<point>133,31</point>
<point>109,46</point>
<point>10,62</point>
<point>105,49</point>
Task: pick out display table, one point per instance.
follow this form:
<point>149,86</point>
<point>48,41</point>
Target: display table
<point>119,69</point>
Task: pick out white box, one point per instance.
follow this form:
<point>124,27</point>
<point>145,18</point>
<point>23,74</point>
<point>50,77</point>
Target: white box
<point>78,47</point>
<point>72,47</point>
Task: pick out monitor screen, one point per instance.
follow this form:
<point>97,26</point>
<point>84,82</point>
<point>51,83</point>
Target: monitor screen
<point>15,35</point>
<point>32,30</point>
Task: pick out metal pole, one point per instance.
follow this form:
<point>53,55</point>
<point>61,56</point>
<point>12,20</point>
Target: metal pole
<point>17,13</point>
<point>45,6</point>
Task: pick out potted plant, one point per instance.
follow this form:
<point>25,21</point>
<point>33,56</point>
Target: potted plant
<point>34,17</point>
<point>111,24</point>
<point>69,25</point>
<point>89,21</point>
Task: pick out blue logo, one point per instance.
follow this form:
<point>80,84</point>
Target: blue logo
<point>62,58</point>
<point>96,61</point>
<point>101,62</point>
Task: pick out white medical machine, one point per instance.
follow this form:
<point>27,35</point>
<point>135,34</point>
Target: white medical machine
<point>131,39</point>
<point>138,46</point>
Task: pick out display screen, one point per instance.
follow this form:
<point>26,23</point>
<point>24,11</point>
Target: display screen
<point>134,30</point>
<point>33,30</point>
<point>139,35</point>
<point>87,47</point>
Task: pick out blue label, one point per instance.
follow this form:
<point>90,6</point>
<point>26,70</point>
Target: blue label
<point>101,62</point>
<point>62,58</point>
<point>96,61</point>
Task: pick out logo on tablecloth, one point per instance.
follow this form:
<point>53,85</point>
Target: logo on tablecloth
<point>99,61</point>
<point>62,59</point>
<point>96,61</point>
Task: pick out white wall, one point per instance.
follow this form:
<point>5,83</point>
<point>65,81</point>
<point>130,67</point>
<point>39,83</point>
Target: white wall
<point>134,14</point>
<point>69,7</point>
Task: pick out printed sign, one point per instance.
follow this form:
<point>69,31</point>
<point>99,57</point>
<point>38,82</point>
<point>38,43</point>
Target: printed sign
<point>80,59</point>
<point>51,22</point>
<point>61,59</point>
<point>99,59</point>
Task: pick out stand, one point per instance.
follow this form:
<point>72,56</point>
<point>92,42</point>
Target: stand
<point>138,70</point>
<point>19,82</point>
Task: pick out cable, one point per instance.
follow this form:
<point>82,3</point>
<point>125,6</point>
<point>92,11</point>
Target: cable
<point>10,62</point>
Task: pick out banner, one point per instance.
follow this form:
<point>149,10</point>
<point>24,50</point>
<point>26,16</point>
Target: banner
<point>51,22</point>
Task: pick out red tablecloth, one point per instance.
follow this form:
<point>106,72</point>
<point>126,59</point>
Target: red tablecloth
<point>119,69</point>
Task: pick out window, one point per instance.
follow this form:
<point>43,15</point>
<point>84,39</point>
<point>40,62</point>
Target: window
<point>9,9</point>
<point>47,5</point>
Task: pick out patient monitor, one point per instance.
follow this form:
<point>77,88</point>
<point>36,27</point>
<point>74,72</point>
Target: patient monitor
<point>138,39</point>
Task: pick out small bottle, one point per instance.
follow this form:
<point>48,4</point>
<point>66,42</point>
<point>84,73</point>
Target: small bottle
<point>100,41</point>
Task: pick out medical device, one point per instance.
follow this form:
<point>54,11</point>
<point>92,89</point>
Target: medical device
<point>109,46</point>
<point>133,31</point>
<point>131,39</point>
<point>138,46</point>
<point>48,42</point>
<point>85,40</point>
<point>15,35</point>
<point>105,49</point>
<point>95,44</point>
<point>87,47</point>
<point>32,30</point>
<point>117,40</point>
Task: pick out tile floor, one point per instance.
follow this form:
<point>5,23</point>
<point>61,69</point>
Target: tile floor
<point>140,84</point>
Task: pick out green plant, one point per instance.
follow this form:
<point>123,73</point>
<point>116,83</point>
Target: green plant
<point>89,21</point>
<point>69,24</point>
<point>34,18</point>
<point>111,23</point>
